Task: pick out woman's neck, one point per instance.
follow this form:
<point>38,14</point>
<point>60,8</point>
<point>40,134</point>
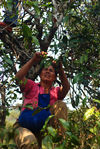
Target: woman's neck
<point>46,86</point>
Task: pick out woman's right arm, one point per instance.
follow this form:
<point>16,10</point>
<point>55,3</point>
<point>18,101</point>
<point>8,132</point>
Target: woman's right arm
<point>20,75</point>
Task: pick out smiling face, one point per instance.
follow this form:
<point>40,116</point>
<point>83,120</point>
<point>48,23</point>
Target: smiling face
<point>48,74</point>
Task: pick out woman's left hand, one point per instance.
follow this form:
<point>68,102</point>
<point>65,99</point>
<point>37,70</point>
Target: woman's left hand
<point>57,64</point>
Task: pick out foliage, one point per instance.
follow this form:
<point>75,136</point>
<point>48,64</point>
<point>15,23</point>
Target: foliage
<point>80,133</point>
<point>7,131</point>
<point>70,31</point>
<point>7,138</point>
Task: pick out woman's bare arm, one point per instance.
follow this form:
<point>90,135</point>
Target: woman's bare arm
<point>64,81</point>
<point>20,75</point>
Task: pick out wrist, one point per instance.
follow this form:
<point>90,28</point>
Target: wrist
<point>36,59</point>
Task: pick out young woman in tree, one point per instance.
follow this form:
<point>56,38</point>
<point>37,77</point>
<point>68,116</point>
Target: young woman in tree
<point>39,96</point>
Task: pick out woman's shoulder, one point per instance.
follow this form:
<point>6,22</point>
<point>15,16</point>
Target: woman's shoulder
<point>28,84</point>
<point>31,81</point>
<point>57,88</point>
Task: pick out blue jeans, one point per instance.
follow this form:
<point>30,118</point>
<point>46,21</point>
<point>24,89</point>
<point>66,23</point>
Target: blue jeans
<point>11,13</point>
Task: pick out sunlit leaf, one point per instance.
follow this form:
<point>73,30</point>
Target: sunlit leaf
<point>93,130</point>
<point>89,113</point>
<point>95,100</point>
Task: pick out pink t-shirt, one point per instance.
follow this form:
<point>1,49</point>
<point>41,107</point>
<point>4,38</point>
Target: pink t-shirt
<point>31,91</point>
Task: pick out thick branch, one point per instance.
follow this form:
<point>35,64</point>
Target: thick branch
<point>11,42</point>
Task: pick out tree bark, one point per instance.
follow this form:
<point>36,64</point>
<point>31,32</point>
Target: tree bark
<point>2,108</point>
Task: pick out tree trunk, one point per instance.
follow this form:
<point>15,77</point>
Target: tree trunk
<point>3,108</point>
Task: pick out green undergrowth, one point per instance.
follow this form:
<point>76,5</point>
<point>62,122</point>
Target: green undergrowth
<point>82,132</point>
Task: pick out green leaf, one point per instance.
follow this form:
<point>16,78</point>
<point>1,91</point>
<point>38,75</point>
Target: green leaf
<point>35,40</point>
<point>46,122</point>
<point>74,139</point>
<point>35,5</point>
<point>69,133</point>
<point>77,78</point>
<point>47,142</point>
<point>48,4</point>
<point>95,100</point>
<point>9,5</point>
<point>66,19</point>
<point>25,81</point>
<point>93,130</point>
<point>52,131</point>
<point>27,33</point>
<point>98,139</point>
<point>37,111</point>
<point>77,100</point>
<point>88,113</point>
<point>83,58</point>
<point>98,123</point>
<point>28,106</point>
<point>84,101</point>
<point>8,60</point>
<point>65,123</point>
